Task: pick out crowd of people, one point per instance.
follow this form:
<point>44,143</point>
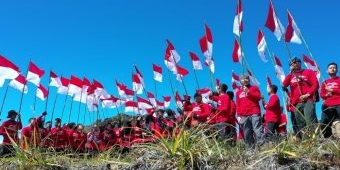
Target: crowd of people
<point>230,119</point>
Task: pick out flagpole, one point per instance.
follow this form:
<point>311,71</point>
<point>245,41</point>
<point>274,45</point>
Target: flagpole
<point>240,37</point>
<point>198,87</point>
<point>55,101</point>
<point>22,91</point>
<point>144,89</point>
<point>182,81</point>
<point>155,85</point>
<point>211,58</point>
<point>3,100</point>
<point>81,96</point>
<point>85,111</point>
<point>69,116</point>
<point>172,88</point>
<point>48,94</point>
<point>62,113</point>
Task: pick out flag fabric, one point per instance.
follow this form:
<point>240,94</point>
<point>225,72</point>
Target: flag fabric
<point>167,100</point>
<point>273,23</point>
<point>279,69</point>
<point>253,79</point>
<point>171,57</point>
<point>206,44</point>
<point>238,23</point>
<point>261,46</point>
<point>152,98</point>
<point>235,87</point>
<point>137,85</point>
<point>218,82</point>
<point>178,100</point>
<point>269,83</point>
<point>195,61</point>
<point>235,78</point>
<point>157,72</point>
<point>237,52</point>
<point>83,95</point>
<point>111,102</point>
<point>124,92</point>
<point>54,80</point>
<point>160,105</point>
<point>181,72</point>
<point>98,89</point>
<point>131,106</point>
<point>204,92</point>
<point>143,103</point>
<point>42,92</point>
<point>19,83</point>
<point>75,86</point>
<point>139,74</point>
<point>310,64</point>
<point>292,31</point>
<point>2,81</point>
<point>34,74</point>
<point>63,87</point>
<point>91,100</point>
<point>8,70</point>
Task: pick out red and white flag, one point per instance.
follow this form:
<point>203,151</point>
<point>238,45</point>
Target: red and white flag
<point>42,92</point>
<point>160,105</point>
<point>143,103</point>
<point>111,102</point>
<point>8,70</point>
<point>167,100</point>
<point>171,57</point>
<point>292,32</point>
<point>235,78</point>
<point>273,23</point>
<point>310,64</point>
<point>91,100</point>
<point>157,73</point>
<point>124,92</point>
<point>34,74</point>
<point>152,98</point>
<point>139,74</point>
<point>63,87</point>
<point>131,106</point>
<point>86,85</point>
<point>75,86</point>
<point>137,85</point>
<point>280,74</point>
<point>206,44</point>
<point>99,89</point>
<point>235,86</point>
<point>178,100</point>
<point>181,72</point>
<point>195,61</point>
<point>253,79</point>
<point>269,83</point>
<point>237,52</point>
<point>261,46</point>
<point>83,95</point>
<point>54,80</point>
<point>238,24</point>
<point>204,92</point>
<point>19,83</point>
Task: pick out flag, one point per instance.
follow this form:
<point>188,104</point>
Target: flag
<point>178,100</point>
<point>157,72</point>
<point>273,23</point>
<point>292,31</point>
<point>139,74</point>
<point>99,90</point>
<point>279,69</point>
<point>75,86</point>
<point>235,78</point>
<point>181,72</point>
<point>237,52</point>
<point>8,70</point>
<point>86,85</point>
<point>42,92</point>
<point>171,57</point>
<point>310,64</point>
<point>235,86</point>
<point>34,74</point>
<point>253,79</point>
<point>2,81</point>
<point>167,100</point>
<point>54,80</point>
<point>204,92</point>
<point>261,46</point>
<point>91,100</point>
<point>218,82</point>
<point>124,92</point>
<point>137,85</point>
<point>143,103</point>
<point>160,105</point>
<point>195,61</point>
<point>238,24</point>
<point>83,95</point>
<point>206,44</point>
<point>152,98</point>
<point>19,83</point>
<point>269,83</point>
<point>63,87</point>
<point>131,106</point>
<point>111,102</point>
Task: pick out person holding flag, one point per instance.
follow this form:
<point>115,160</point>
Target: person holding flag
<point>303,87</point>
<point>9,130</point>
<point>31,134</point>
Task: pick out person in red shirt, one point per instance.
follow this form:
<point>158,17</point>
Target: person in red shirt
<point>273,110</point>
<point>232,115</point>
<point>248,110</point>
<point>59,136</point>
<point>282,130</point>
<point>46,140</point>
<point>330,93</point>
<point>9,130</point>
<point>197,112</point>
<point>303,87</point>
<point>109,138</point>
<point>94,141</point>
<point>31,134</point>
<point>78,139</point>
<point>221,117</point>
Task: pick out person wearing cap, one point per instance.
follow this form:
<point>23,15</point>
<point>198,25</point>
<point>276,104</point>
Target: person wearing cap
<point>273,110</point>
<point>303,85</point>
<point>31,134</point>
<point>59,136</point>
<point>9,131</point>
<point>220,118</point>
<point>249,112</point>
<point>330,93</point>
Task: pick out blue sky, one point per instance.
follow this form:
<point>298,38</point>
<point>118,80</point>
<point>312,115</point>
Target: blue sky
<point>103,39</point>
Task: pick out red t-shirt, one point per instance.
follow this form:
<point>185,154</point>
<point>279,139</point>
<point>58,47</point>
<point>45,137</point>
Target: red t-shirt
<point>334,98</point>
<point>59,137</point>
<point>273,109</point>
<point>222,113</point>
<point>282,124</point>
<point>77,140</point>
<point>247,103</point>
<point>9,129</point>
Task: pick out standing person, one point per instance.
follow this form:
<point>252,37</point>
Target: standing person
<point>232,115</point>
<point>198,111</point>
<point>9,130</point>
<point>273,110</point>
<point>282,130</point>
<point>249,112</point>
<point>59,136</point>
<point>330,93</point>
<point>303,85</point>
<point>31,134</point>
<point>221,117</point>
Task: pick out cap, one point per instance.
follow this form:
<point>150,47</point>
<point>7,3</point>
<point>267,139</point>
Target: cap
<point>294,60</point>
